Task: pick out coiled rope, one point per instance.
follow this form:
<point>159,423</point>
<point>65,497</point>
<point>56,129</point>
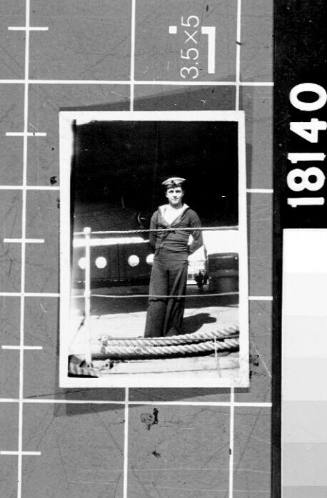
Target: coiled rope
<point>113,352</point>
<point>219,334</point>
<point>223,339</point>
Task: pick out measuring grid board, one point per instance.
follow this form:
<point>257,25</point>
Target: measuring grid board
<point>123,55</point>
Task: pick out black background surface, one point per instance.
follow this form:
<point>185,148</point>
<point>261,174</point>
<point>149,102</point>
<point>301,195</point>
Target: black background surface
<point>300,53</point>
<point>300,57</point>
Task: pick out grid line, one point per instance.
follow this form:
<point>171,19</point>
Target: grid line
<point>46,187</point>
<point>28,187</point>
<point>131,103</point>
<point>138,82</point>
<point>260,190</point>
<point>226,404</point>
<point>27,133</point>
<point>28,28</point>
<point>237,107</point>
<point>231,444</point>
<point>18,348</point>
<point>23,256</point>
<point>29,294</point>
<point>21,453</point>
<point>238,54</point>
<point>23,241</point>
<point>126,427</point>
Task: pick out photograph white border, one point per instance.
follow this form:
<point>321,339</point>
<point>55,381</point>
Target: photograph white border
<point>188,379</point>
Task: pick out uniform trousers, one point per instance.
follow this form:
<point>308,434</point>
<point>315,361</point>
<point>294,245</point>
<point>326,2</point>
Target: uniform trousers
<point>167,294</point>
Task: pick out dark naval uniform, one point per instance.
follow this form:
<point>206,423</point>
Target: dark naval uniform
<point>169,271</point>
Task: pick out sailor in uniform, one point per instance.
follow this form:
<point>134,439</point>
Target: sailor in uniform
<point>172,226</point>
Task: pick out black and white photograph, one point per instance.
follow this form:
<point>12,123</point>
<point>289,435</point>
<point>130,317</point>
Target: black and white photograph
<point>153,226</point>
<point>157,159</point>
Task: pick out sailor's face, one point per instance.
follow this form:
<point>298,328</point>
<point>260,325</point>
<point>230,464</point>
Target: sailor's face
<point>175,196</point>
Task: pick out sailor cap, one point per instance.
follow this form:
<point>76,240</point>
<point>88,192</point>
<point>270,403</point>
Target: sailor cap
<point>174,181</point>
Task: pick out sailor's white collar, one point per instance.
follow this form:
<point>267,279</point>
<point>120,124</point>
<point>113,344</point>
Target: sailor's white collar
<point>164,207</point>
